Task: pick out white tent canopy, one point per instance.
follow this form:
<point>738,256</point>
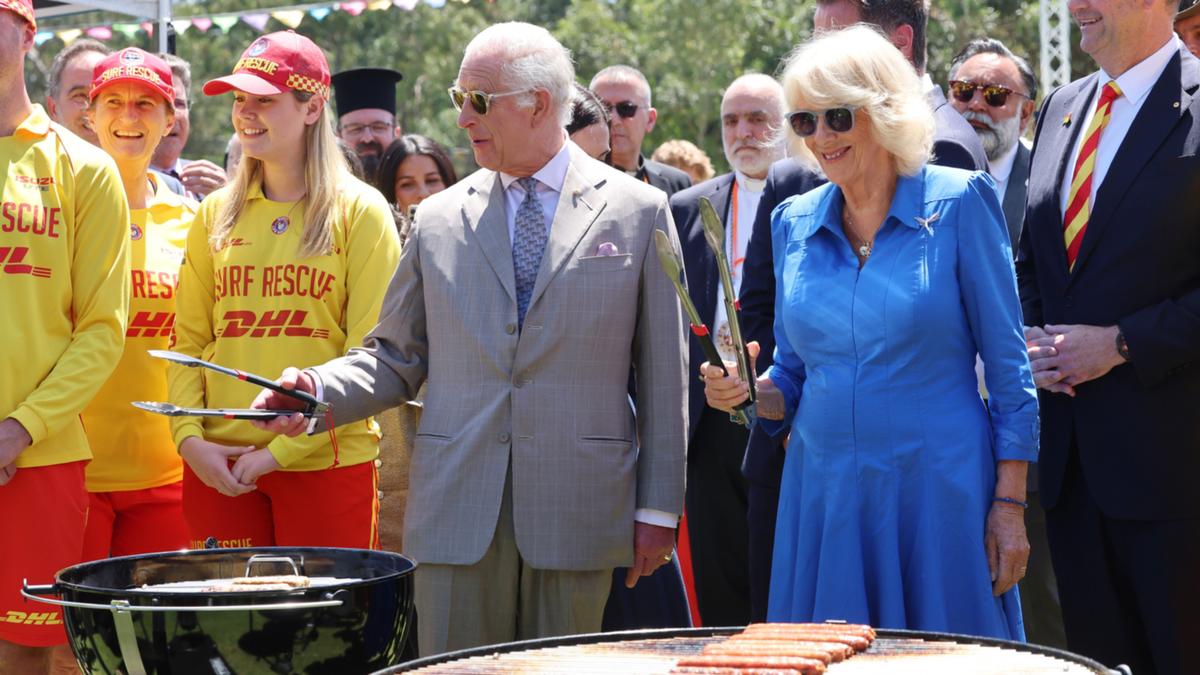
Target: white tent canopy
<point>156,10</point>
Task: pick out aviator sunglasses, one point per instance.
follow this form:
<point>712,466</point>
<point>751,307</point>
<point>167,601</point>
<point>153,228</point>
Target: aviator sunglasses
<point>993,94</point>
<point>625,109</point>
<point>481,101</point>
<point>804,122</point>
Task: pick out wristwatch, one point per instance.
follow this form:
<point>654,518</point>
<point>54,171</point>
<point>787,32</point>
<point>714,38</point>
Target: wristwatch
<point>1122,346</point>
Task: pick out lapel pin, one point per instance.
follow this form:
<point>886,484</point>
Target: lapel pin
<point>926,223</point>
<point>1175,104</point>
<point>1067,120</point>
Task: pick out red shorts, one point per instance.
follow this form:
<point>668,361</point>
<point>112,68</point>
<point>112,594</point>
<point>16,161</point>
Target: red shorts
<point>43,512</point>
<point>129,522</point>
<point>330,507</point>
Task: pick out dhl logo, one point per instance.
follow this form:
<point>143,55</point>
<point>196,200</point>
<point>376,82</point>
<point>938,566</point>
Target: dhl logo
<point>12,261</point>
<point>32,618</point>
<point>150,324</point>
<point>286,322</point>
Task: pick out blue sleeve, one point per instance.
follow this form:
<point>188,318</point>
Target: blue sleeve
<point>989,295</point>
<point>787,371</point>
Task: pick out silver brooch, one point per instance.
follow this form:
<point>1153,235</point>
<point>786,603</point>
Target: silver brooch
<point>927,223</point>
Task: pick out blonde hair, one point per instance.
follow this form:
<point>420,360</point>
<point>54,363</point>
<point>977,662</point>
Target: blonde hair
<point>324,172</point>
<point>685,156</point>
<point>859,67</point>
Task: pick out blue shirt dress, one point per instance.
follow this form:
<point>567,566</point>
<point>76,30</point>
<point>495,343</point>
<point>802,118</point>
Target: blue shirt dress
<point>890,468</point>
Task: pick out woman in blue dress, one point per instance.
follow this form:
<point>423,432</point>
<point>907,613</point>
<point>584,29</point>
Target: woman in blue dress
<point>902,492</point>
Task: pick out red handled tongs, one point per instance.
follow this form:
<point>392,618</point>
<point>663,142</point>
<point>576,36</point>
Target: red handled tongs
<point>313,407</point>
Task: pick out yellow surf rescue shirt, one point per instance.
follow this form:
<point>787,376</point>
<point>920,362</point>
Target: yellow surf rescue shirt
<point>256,305</point>
<point>64,283</point>
<point>133,449</point>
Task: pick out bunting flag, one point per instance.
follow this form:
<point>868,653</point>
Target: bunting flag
<point>290,16</point>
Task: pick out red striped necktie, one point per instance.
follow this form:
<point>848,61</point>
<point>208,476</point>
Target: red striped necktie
<point>1079,208</point>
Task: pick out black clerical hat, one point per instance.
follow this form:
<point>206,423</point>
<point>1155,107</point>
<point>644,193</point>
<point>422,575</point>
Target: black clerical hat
<point>360,88</point>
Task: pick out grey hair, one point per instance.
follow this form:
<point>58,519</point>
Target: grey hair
<point>623,73</point>
<point>778,135</point>
<point>180,70</point>
<point>67,55</point>
<point>994,46</point>
<point>530,59</point>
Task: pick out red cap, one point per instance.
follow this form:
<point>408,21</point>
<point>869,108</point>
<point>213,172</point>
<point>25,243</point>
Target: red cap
<point>133,65</point>
<point>22,8</point>
<point>275,63</point>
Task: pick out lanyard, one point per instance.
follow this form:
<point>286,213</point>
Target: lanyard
<point>733,241</point>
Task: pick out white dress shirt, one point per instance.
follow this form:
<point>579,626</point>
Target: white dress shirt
<point>1135,85</point>
<point>749,193</point>
<point>1001,168</point>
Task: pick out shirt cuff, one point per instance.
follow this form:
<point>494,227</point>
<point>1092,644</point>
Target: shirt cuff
<point>320,394</point>
<point>656,517</point>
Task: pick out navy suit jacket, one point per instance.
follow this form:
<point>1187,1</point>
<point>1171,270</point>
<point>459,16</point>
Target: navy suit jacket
<point>700,268</point>
<point>666,178</point>
<point>955,144</point>
<point>1137,428</point>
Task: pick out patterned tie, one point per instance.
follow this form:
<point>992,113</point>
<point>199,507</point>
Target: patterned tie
<point>1075,220</point>
<point>529,234</point>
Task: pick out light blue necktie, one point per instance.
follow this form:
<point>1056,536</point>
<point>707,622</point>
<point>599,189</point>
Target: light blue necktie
<point>529,242</point>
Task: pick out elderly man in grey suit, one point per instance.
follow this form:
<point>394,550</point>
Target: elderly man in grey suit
<point>524,295</point>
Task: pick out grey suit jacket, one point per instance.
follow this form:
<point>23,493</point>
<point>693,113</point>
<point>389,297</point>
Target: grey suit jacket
<point>1014,194</point>
<point>552,396</point>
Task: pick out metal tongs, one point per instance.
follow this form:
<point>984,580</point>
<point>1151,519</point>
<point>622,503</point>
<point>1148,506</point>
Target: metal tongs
<point>313,407</point>
<point>714,234</point>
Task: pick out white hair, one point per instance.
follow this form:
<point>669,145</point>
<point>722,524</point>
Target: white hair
<point>626,74</point>
<point>530,59</point>
<point>859,67</point>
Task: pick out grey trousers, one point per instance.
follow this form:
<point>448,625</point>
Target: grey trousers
<point>502,599</point>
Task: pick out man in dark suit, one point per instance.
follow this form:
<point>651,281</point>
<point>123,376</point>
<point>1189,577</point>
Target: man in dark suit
<point>954,144</point>
<point>995,91</point>
<point>1109,271</point>
<point>751,114</point>
<point>625,91</point>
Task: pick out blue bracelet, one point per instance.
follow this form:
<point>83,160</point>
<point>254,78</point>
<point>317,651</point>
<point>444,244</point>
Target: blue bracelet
<point>1010,500</point>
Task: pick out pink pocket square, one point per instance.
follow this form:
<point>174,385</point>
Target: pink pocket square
<point>606,249</point>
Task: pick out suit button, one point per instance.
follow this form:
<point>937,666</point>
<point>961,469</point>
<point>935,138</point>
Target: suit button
<point>510,328</point>
<point>503,437</point>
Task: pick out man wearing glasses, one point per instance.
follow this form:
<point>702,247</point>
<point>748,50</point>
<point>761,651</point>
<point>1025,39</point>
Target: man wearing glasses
<point>995,90</point>
<point>525,293</point>
<point>625,91</point>
<point>366,106</point>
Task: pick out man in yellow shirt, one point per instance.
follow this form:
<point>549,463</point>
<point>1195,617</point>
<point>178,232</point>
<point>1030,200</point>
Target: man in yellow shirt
<point>64,286</point>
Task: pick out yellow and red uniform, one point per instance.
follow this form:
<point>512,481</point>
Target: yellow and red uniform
<point>255,305</point>
<point>133,449</point>
<point>64,286</point>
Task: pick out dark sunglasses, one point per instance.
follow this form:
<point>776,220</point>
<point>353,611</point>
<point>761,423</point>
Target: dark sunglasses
<point>625,109</point>
<point>993,94</point>
<point>804,122</point>
<point>481,101</point>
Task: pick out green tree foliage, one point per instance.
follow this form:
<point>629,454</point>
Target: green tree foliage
<point>688,49</point>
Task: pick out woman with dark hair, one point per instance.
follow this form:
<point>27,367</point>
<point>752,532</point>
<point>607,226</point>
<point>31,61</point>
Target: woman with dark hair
<point>412,168</point>
<point>588,127</point>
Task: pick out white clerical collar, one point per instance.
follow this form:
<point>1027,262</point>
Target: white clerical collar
<point>927,82</point>
<point>1001,167</point>
<point>553,174</point>
<point>1136,82</point>
<point>750,184</point>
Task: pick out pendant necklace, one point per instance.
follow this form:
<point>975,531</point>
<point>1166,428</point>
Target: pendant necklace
<point>862,246</point>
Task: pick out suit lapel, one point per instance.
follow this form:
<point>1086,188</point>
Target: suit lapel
<point>484,211</point>
<point>1014,194</point>
<point>1073,111</point>
<point>720,198</point>
<point>579,204</point>
<point>1164,106</point>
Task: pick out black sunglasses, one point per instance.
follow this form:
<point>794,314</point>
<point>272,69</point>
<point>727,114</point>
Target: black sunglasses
<point>625,109</point>
<point>481,101</point>
<point>804,122</point>
<point>993,94</point>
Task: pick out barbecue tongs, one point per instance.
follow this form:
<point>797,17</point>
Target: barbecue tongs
<point>313,407</point>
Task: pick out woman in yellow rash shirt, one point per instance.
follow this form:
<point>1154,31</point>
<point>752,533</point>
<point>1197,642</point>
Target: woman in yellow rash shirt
<point>289,262</point>
<point>134,481</point>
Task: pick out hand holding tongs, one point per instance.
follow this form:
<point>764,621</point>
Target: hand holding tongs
<point>673,267</point>
<point>313,406</point>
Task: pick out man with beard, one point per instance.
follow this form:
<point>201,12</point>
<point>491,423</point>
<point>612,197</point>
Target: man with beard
<point>70,82</point>
<point>626,93</point>
<point>717,500</point>
<point>198,177</point>
<point>995,91</point>
<point>366,106</point>
<point>1187,25</point>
